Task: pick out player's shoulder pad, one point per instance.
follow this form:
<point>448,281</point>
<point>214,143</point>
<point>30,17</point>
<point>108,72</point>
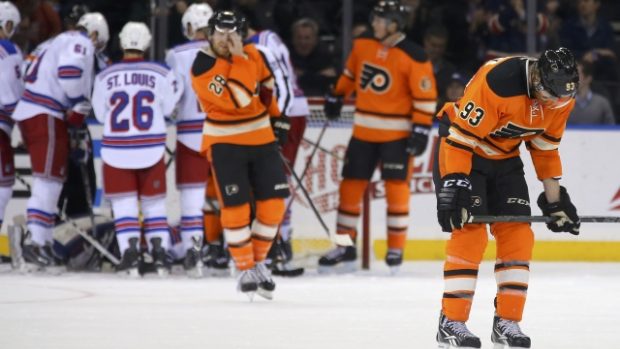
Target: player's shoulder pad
<point>8,46</point>
<point>413,50</point>
<point>203,63</point>
<point>508,78</point>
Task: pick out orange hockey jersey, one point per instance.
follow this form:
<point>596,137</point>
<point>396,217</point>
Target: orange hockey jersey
<point>496,114</point>
<point>393,86</point>
<point>228,91</point>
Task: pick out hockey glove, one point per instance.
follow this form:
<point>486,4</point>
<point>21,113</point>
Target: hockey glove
<point>454,202</point>
<point>79,145</point>
<point>566,213</point>
<point>333,106</point>
<point>77,114</point>
<point>418,139</point>
<point>281,125</point>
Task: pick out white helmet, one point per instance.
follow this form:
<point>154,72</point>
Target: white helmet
<point>196,15</point>
<point>135,36</point>
<point>9,13</point>
<point>95,22</point>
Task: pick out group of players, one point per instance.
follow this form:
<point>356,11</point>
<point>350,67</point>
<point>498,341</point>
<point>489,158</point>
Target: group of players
<point>237,105</point>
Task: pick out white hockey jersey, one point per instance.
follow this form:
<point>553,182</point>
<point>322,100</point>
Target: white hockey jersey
<point>190,117</point>
<point>131,99</point>
<point>291,99</point>
<point>11,85</point>
<point>60,75</point>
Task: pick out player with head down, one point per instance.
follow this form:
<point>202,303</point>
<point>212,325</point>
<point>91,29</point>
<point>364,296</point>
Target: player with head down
<point>58,83</point>
<point>478,171</point>
<point>239,141</point>
<point>131,99</point>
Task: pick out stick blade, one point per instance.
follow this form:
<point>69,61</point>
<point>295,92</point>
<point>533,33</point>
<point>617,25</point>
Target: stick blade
<point>342,239</point>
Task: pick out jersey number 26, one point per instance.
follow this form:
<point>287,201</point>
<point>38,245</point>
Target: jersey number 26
<point>142,113</point>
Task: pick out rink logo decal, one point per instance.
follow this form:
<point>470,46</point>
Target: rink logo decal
<point>231,189</point>
<point>375,77</point>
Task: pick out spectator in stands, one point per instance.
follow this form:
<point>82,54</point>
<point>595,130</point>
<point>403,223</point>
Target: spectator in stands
<point>591,38</point>
<point>455,88</point>
<point>508,27</point>
<point>39,22</point>
<point>314,65</point>
<point>435,41</point>
<point>590,107</point>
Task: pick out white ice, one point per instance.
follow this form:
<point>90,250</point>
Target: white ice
<point>570,305</point>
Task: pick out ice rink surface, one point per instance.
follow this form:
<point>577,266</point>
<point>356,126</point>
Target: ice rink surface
<point>570,305</point>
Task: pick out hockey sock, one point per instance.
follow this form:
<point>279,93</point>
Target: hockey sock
<point>155,223</point>
<point>5,196</point>
<point>464,253</point>
<point>515,242</point>
<point>351,193</point>
<point>269,214</point>
<point>240,247</point>
<point>191,215</point>
<point>397,196</point>
<point>42,209</point>
<point>212,222</point>
<point>126,224</point>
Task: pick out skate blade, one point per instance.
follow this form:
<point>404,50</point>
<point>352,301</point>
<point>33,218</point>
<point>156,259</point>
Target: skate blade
<point>216,272</point>
<point>132,273</point>
<point>448,346</point>
<point>31,268</point>
<point>506,346</point>
<point>342,268</point>
<point>265,293</point>
<point>163,272</point>
<point>194,273</point>
<point>394,270</point>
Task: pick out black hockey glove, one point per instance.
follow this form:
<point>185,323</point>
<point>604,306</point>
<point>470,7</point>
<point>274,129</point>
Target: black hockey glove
<point>567,219</point>
<point>281,125</point>
<point>79,145</point>
<point>333,106</point>
<point>454,202</point>
<point>418,139</point>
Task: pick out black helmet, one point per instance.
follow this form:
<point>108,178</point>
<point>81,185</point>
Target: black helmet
<point>558,72</point>
<point>227,21</point>
<point>390,9</point>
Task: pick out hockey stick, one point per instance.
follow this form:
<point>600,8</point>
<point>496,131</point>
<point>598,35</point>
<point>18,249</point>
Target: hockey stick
<point>327,151</point>
<point>23,181</point>
<point>539,219</point>
<point>171,153</point>
<point>94,242</point>
<point>338,239</point>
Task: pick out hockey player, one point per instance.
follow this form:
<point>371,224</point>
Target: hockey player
<point>192,168</point>
<point>58,82</point>
<point>478,171</point>
<point>293,104</point>
<point>131,99</point>
<point>395,100</point>
<point>11,87</point>
<point>239,141</point>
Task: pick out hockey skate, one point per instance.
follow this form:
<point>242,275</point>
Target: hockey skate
<point>193,259</point>
<point>507,335</point>
<point>40,258</point>
<point>130,261</point>
<point>266,286</point>
<point>454,334</point>
<point>279,259</point>
<point>341,259</point>
<point>247,282</point>
<point>393,259</point>
<point>161,261</point>
<point>216,259</point>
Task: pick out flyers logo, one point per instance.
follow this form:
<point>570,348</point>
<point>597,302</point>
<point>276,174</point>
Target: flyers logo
<point>511,130</point>
<point>375,77</point>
